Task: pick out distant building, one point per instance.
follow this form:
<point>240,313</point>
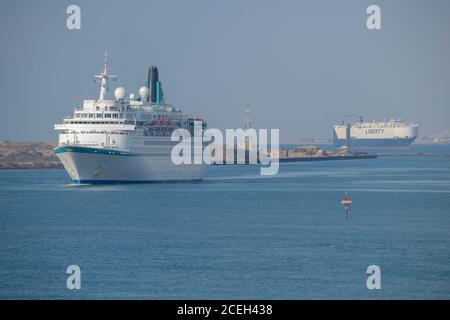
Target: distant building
<point>443,138</point>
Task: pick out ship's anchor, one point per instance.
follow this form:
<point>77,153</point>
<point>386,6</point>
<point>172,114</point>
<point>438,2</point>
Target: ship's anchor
<point>346,202</point>
<point>97,172</point>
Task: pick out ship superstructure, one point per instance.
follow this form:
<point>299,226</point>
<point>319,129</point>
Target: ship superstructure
<point>124,140</point>
<point>380,134</point>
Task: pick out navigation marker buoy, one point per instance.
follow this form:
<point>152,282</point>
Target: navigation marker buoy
<point>346,202</point>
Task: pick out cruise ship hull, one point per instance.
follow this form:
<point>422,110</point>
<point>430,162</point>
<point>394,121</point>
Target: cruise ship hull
<point>97,165</point>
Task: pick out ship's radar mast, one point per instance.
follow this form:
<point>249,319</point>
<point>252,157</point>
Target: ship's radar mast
<point>104,78</point>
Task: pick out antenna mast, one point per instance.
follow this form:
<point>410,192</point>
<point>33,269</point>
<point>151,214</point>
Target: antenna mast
<point>104,77</point>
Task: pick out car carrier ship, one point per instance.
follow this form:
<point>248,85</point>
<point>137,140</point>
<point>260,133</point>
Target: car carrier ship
<point>385,134</point>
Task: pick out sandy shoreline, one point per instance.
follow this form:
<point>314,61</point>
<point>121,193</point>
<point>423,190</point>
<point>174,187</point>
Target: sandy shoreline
<point>28,155</point>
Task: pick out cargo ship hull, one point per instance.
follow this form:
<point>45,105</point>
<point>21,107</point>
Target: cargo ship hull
<point>374,143</point>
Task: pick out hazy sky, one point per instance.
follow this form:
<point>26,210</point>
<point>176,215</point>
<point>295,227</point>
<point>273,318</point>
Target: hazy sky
<point>301,65</point>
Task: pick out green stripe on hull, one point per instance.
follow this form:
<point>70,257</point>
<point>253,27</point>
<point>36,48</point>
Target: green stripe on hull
<point>78,149</point>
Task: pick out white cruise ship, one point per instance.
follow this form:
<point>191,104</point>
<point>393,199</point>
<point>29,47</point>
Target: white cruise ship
<point>125,140</point>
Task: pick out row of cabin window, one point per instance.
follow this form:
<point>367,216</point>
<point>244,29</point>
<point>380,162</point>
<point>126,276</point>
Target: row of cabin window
<point>98,115</point>
<point>95,122</point>
<point>106,108</point>
<point>113,115</point>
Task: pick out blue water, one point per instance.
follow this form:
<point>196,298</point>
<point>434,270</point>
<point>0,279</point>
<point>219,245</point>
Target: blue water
<point>235,235</point>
